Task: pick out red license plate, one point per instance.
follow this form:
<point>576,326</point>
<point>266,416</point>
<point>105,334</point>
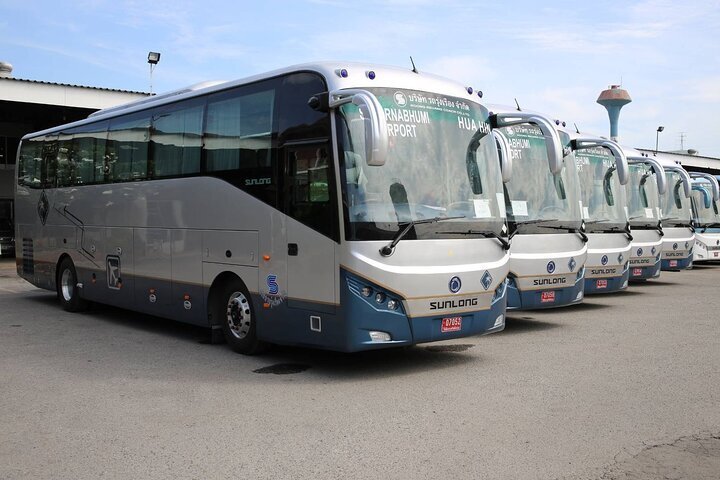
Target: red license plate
<point>547,297</point>
<point>673,263</point>
<point>451,324</point>
<point>636,272</point>
<point>601,284</point>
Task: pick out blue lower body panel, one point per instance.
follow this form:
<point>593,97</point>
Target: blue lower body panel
<point>533,299</point>
<point>607,285</point>
<point>348,326</point>
<point>645,273</point>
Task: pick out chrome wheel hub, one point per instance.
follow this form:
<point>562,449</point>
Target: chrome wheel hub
<point>67,285</point>
<point>238,315</point>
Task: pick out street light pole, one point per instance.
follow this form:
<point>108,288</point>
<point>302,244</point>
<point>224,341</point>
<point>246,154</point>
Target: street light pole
<point>657,137</point>
<point>153,59</point>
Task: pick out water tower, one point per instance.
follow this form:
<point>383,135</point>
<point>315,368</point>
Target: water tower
<point>613,99</point>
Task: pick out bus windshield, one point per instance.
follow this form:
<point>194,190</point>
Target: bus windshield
<point>705,208</point>
<point>441,163</point>
<point>537,198</point>
<point>675,205</point>
<point>602,194</point>
<point>643,198</point>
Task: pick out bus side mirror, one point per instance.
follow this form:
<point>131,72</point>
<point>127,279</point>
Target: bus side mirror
<point>552,138</point>
<point>373,118</point>
<point>504,153</point>
<point>713,183</point>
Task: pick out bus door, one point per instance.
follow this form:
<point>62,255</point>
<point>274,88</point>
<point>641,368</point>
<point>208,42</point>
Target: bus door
<point>311,265</point>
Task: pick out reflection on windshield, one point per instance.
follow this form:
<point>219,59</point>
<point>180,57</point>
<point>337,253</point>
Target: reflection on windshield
<point>535,195</point>
<point>602,194</point>
<point>675,205</point>
<point>704,208</point>
<point>643,198</point>
<point>441,162</point>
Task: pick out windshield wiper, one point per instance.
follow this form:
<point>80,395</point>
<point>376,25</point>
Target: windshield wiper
<point>388,249</point>
<point>537,220</point>
<point>484,233</point>
<point>626,230</point>
<point>592,222</point>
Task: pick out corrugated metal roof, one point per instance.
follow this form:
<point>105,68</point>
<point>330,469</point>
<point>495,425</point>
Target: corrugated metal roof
<point>40,82</point>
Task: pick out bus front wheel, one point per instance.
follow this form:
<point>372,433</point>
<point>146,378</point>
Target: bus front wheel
<point>67,287</point>
<point>233,307</point>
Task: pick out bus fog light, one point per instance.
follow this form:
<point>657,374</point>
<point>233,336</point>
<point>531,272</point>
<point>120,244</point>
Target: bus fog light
<point>379,297</point>
<point>499,321</point>
<point>393,304</point>
<point>379,336</point>
<point>579,296</point>
<point>367,291</point>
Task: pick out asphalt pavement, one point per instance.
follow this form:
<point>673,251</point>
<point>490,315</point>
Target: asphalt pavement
<point>623,386</point>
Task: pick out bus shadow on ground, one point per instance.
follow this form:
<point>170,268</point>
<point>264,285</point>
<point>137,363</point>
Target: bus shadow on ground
<point>382,363</point>
<point>526,324</point>
<point>279,359</point>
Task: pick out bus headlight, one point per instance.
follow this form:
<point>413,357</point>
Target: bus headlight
<point>392,304</point>
<point>366,291</point>
<point>380,297</point>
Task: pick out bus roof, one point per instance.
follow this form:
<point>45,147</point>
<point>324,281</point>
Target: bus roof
<point>338,75</point>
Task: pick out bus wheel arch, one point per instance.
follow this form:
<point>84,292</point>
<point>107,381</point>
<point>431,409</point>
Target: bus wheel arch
<point>230,306</point>
<point>66,285</point>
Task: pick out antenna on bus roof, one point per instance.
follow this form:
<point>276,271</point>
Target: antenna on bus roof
<point>577,130</point>
<point>414,69</point>
<point>518,105</point>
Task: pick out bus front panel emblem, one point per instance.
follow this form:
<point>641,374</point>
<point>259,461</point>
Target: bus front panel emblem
<point>113,272</point>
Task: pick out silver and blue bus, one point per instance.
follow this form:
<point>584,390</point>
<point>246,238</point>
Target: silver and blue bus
<point>339,206</point>
<point>678,229</point>
<point>706,218</point>
<point>646,185</point>
<point>603,171</point>
<point>548,251</point>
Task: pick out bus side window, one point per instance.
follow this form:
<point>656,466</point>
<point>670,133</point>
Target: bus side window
<point>29,170</point>
<point>176,142</point>
<point>65,162</point>
<point>127,148</point>
<point>49,162</point>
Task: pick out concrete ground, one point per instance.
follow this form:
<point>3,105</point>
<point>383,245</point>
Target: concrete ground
<point>624,386</point>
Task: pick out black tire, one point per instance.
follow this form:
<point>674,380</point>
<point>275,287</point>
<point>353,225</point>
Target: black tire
<point>67,290</point>
<point>232,308</point>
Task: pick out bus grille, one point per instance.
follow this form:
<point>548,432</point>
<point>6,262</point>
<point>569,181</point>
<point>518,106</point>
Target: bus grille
<point>28,264</point>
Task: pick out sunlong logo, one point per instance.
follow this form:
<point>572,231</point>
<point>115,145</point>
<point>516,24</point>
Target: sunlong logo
<point>551,266</point>
<point>549,281</point>
<point>258,181</point>
<point>604,260</point>
<point>454,284</point>
<point>653,251</point>
<point>620,258</point>
<point>273,287</point>
<point>687,244</point>
<point>639,252</point>
<point>458,303</point>
<point>602,271</point>
<point>675,246</point>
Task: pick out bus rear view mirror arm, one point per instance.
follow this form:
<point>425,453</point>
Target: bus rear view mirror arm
<point>373,116</point>
<point>552,138</point>
<point>621,161</point>
<point>712,180</point>
<point>504,152</point>
<point>686,181</point>
<point>657,167</point>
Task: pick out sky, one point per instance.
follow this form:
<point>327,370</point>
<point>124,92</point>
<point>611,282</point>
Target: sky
<point>554,57</point>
